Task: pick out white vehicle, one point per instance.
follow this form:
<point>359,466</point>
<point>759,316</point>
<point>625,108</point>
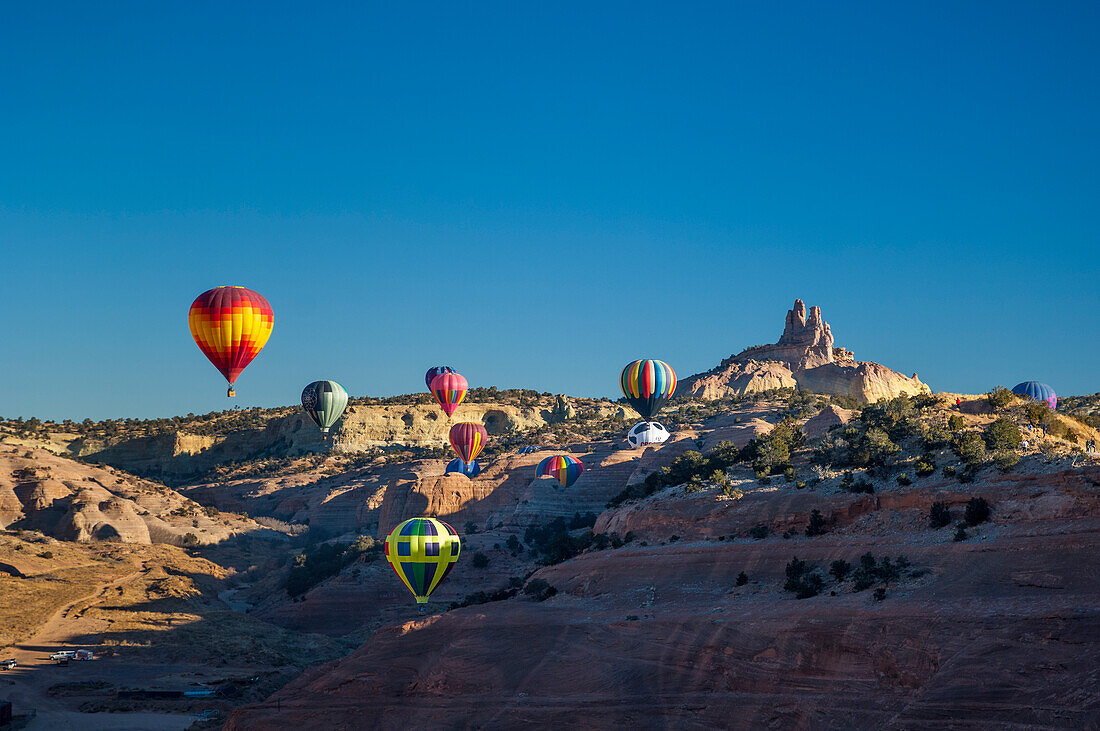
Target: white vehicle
<point>63,655</point>
<point>8,664</point>
<point>647,432</point>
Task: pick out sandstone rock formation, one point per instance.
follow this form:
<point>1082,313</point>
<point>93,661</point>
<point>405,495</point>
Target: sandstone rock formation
<point>182,455</point>
<point>804,357</point>
<point>69,500</point>
<point>819,425</point>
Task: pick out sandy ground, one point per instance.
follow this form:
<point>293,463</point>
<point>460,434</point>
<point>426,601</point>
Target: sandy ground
<point>27,685</point>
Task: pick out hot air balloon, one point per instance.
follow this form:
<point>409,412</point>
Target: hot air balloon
<point>647,432</point>
<point>325,402</point>
<point>648,385</point>
<point>230,325</point>
<point>562,467</point>
<point>422,551</point>
<point>449,389</point>
<point>471,469</point>
<point>1038,391</point>
<point>433,372</point>
<point>468,439</point>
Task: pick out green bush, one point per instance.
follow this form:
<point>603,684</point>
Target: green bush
<point>870,572</point>
<point>1002,434</point>
<point>948,470</point>
<point>840,569</point>
<point>970,447</point>
<point>903,479</point>
<point>803,580</point>
<point>925,466</point>
<point>190,539</point>
<point>480,560</point>
<point>960,533</point>
<point>999,397</point>
<point>539,589</point>
<point>1005,460</point>
<point>759,531</point>
<point>939,515</point>
<point>955,422</point>
<point>977,511</point>
<point>49,554</point>
<point>742,579</point>
<point>817,524</point>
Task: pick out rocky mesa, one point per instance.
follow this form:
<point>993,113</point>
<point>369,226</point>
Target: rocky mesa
<point>805,357</point>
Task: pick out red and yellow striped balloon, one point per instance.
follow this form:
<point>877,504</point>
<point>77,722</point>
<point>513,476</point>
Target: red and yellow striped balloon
<point>468,439</point>
<point>230,325</point>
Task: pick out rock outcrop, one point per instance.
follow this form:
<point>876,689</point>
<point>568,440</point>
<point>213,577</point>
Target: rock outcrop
<point>805,357</point>
<point>42,491</point>
<point>819,425</point>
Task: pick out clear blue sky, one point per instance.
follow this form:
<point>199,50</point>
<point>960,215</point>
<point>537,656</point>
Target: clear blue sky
<point>537,193</point>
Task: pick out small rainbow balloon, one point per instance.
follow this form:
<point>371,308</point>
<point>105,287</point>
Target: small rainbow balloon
<point>562,467</point>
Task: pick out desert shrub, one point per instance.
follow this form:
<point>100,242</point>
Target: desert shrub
<point>470,528</point>
<point>514,546</point>
<point>999,397</point>
<point>816,526</point>
<point>211,511</point>
<point>480,560</point>
<point>803,580</point>
<point>840,569</point>
<point>897,417</point>
<point>925,465</point>
<point>1005,460</point>
<point>554,541</point>
<point>948,470</point>
<point>742,579</point>
<point>903,479</point>
<point>190,539</point>
<point>935,436</point>
<point>582,521</point>
<point>970,447</point>
<point>539,590</point>
<point>1002,434</point>
<point>600,541</point>
<point>849,483</point>
<point>955,422</point>
<point>482,597</point>
<point>977,511</point>
<point>939,515</point>
<point>759,531</point>
<point>870,572</point>
<point>49,554</point>
<point>960,533</point>
<point>789,474</point>
<point>1038,414</point>
<point>879,594</point>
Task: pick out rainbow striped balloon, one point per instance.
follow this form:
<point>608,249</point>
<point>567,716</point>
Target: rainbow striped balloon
<point>648,385</point>
<point>468,439</point>
<point>562,467</point>
<point>422,551</point>
<point>449,389</point>
<point>230,325</point>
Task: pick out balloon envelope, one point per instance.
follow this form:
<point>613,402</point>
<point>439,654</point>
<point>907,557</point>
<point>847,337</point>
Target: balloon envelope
<point>1038,391</point>
<point>449,389</point>
<point>433,372</point>
<point>468,439</point>
<point>230,325</point>
<point>647,432</point>
<point>562,467</point>
<point>648,385</point>
<point>325,402</point>
<point>471,469</point>
<point>422,551</point>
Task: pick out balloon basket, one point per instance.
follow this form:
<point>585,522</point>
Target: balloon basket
<point>230,393</point>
